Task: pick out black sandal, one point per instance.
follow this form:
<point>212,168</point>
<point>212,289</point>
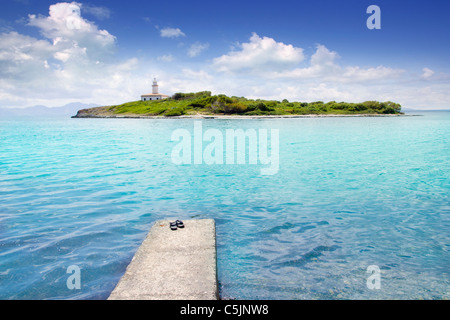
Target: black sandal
<point>179,224</point>
<point>173,226</point>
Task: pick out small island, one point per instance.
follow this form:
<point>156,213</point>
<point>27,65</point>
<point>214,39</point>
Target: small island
<point>205,104</point>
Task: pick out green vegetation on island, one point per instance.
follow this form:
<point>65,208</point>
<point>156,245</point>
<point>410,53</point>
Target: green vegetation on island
<point>206,104</point>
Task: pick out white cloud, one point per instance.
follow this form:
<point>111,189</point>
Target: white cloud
<point>323,57</point>
<point>65,20</point>
<point>357,74</point>
<point>172,33</point>
<point>324,67</point>
<point>197,48</point>
<point>22,57</point>
<point>69,63</point>
<point>427,73</point>
<point>260,54</point>
<point>72,34</point>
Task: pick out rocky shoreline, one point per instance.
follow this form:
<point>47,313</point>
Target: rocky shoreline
<point>97,114</point>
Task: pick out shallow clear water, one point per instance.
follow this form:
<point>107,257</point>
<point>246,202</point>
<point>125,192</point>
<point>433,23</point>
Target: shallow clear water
<point>350,193</point>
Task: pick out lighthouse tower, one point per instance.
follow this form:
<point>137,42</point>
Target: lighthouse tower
<point>155,87</point>
<point>155,95</point>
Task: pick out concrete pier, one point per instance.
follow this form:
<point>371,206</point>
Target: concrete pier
<point>173,265</point>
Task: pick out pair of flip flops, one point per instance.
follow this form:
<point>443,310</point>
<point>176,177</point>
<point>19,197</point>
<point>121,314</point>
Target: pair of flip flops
<point>177,224</point>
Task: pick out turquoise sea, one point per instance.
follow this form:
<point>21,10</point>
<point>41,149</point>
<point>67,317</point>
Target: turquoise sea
<point>350,193</point>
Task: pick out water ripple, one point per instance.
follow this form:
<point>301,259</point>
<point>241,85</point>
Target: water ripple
<point>347,196</point>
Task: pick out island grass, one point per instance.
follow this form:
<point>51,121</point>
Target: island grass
<point>205,103</point>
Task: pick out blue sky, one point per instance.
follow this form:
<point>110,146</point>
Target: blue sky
<point>107,51</point>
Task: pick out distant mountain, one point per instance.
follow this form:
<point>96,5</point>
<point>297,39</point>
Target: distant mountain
<point>42,111</point>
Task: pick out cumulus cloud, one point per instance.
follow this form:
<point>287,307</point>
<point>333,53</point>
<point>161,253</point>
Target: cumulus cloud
<point>22,56</point>
<point>323,57</point>
<point>323,66</point>
<point>70,61</point>
<point>171,33</point>
<point>264,57</point>
<point>66,27</point>
<point>260,54</point>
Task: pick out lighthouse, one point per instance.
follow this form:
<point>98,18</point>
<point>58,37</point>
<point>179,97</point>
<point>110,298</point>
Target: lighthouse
<point>155,95</point>
<point>155,87</point>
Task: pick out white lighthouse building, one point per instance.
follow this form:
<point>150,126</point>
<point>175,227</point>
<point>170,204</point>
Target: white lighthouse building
<point>155,95</point>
